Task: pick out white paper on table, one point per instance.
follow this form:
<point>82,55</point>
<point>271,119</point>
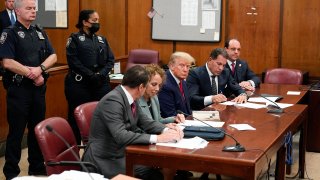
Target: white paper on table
<point>192,143</point>
<point>251,105</point>
<point>293,93</point>
<point>199,123</point>
<point>281,105</point>
<point>262,100</point>
<point>228,103</point>
<point>242,127</point>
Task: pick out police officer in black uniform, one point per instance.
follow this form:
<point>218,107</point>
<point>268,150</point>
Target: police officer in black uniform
<point>90,60</point>
<point>26,54</point>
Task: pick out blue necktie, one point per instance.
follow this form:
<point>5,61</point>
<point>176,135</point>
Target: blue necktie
<point>12,18</point>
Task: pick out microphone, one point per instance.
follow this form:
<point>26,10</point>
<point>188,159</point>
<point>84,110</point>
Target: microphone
<point>275,107</point>
<point>51,130</point>
<point>232,148</point>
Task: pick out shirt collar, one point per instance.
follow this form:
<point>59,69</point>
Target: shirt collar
<point>230,62</point>
<point>208,70</point>
<point>129,97</point>
<point>175,78</point>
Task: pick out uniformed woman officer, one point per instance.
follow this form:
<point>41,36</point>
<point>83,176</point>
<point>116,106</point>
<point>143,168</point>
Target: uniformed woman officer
<point>90,59</point>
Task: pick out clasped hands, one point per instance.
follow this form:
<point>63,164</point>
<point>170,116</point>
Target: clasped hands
<point>35,73</point>
<point>246,85</point>
<point>173,134</point>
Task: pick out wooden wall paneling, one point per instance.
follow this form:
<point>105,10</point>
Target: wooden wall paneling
<point>56,102</point>
<point>3,114</point>
<point>139,30</point>
<point>258,33</point>
<point>59,36</point>
<point>199,51</point>
<point>113,22</point>
<point>301,36</point>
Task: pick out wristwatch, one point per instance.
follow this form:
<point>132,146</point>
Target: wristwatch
<point>43,68</point>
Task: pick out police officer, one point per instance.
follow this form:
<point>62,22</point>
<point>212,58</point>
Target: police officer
<point>90,60</point>
<point>26,54</point>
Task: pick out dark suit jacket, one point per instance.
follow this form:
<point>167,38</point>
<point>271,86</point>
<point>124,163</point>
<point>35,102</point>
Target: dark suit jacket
<point>112,128</point>
<point>4,20</point>
<point>171,99</point>
<point>199,85</point>
<point>244,73</point>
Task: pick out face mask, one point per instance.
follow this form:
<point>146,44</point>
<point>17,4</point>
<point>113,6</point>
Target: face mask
<point>94,27</point>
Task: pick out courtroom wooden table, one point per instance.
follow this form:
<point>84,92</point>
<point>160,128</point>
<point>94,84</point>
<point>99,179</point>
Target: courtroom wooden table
<point>261,144</point>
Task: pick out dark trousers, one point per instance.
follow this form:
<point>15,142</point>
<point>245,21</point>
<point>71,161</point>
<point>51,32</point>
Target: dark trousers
<point>79,92</point>
<point>25,107</point>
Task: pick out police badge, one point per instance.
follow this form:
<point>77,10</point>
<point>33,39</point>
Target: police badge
<point>82,38</point>
<point>40,35</point>
<point>100,39</point>
<point>3,37</point>
<point>21,34</point>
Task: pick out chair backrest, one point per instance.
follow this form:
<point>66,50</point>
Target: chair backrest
<point>283,76</point>
<point>142,57</point>
<point>54,149</point>
<point>83,115</point>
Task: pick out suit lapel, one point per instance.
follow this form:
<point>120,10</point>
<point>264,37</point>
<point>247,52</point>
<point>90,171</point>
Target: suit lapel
<point>132,120</point>
<point>154,109</point>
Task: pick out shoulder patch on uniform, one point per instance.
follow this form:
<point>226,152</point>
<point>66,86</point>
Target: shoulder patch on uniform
<point>21,34</point>
<point>69,41</point>
<point>82,38</point>
<point>3,37</point>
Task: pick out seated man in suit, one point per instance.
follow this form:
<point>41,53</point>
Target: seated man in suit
<point>174,94</point>
<point>207,83</point>
<point>240,70</point>
<point>114,124</point>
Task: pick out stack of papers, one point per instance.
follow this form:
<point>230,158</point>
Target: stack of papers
<point>192,143</point>
<point>255,105</point>
<point>116,76</point>
<point>68,175</point>
<point>201,124</point>
<point>206,115</point>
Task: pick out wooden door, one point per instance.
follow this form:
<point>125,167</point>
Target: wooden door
<point>256,24</point>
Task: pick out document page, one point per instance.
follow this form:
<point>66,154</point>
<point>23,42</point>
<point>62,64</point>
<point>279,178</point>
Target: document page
<point>192,143</point>
<point>200,124</point>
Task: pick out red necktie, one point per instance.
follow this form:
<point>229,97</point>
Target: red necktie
<point>181,88</point>
<point>232,67</point>
<point>133,109</point>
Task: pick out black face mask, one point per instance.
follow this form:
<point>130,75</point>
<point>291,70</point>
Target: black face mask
<point>94,27</point>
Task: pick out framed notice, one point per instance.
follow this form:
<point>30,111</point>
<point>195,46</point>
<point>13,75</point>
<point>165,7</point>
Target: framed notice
<point>186,20</point>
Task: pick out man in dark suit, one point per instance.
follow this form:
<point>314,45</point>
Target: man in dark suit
<point>5,15</point>
<point>207,84</point>
<point>239,68</point>
<point>174,94</point>
<point>116,122</point>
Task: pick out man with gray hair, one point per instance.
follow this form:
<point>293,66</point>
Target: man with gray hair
<point>174,94</point>
<point>26,54</point>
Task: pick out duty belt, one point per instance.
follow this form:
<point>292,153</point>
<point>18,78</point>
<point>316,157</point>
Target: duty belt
<point>77,77</point>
